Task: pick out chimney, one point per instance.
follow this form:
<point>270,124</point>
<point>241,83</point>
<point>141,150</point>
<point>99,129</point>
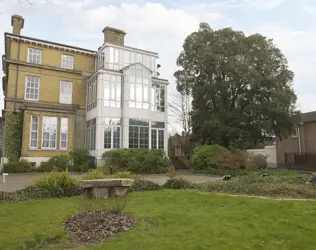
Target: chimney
<point>17,22</point>
<point>113,36</point>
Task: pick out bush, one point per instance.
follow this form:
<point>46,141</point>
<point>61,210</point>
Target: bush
<point>58,184</point>
<point>171,172</point>
<point>137,160</point>
<point>206,156</point>
<point>256,161</point>
<point>143,185</point>
<point>95,174</point>
<point>231,160</point>
<point>125,174</point>
<point>57,163</point>
<point>79,157</point>
<point>22,166</point>
<point>177,183</point>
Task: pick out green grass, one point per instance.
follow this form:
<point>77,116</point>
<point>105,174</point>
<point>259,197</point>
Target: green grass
<point>170,220</point>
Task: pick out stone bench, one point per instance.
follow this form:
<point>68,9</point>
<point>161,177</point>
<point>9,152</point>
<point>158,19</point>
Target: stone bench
<point>105,188</point>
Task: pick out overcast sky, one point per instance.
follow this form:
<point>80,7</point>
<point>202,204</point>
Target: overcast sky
<point>162,26</point>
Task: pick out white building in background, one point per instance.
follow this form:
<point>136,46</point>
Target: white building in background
<point>126,101</point>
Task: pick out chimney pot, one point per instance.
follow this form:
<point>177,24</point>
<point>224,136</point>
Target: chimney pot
<point>17,22</point>
<point>113,36</point>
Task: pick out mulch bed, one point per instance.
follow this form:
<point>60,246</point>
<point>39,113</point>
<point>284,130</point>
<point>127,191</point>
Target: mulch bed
<point>93,227</point>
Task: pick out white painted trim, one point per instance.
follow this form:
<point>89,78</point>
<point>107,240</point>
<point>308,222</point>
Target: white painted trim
<point>61,61</point>
<point>60,101</point>
<point>43,44</point>
<point>28,55</point>
<point>30,139</point>
<point>61,133</point>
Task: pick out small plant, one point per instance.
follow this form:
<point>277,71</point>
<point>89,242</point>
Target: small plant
<point>22,166</point>
<point>79,157</point>
<point>95,174</point>
<point>125,174</point>
<point>57,163</point>
<point>171,172</point>
<point>143,185</point>
<point>177,183</point>
<point>204,157</point>
<point>256,161</point>
<point>58,184</point>
<point>115,206</point>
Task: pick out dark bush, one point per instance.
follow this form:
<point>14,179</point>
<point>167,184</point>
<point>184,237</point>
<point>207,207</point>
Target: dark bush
<point>138,160</point>
<point>143,185</point>
<point>206,156</point>
<point>22,166</point>
<point>57,163</point>
<point>231,160</point>
<point>80,158</point>
<point>177,183</point>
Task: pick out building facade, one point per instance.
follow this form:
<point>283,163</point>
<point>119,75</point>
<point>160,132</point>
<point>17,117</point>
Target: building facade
<point>70,97</point>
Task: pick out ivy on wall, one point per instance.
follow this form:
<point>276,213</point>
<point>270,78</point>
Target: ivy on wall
<point>13,128</point>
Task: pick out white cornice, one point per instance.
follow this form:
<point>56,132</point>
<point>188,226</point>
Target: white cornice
<point>126,48</point>
<point>50,45</point>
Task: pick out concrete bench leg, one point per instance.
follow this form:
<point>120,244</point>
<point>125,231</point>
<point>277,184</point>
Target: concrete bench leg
<point>98,192</point>
<point>118,191</point>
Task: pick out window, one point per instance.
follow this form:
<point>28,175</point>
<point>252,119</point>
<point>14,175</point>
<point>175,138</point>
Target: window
<point>34,55</point>
<point>67,62</point>
<point>138,81</point>
<point>138,134</point>
<point>65,94</point>
<point>49,132</point>
<point>295,132</point>
<point>63,133</point>
<point>34,131</point>
<point>112,91</point>
<point>92,93</point>
<point>91,134</point>
<point>112,133</point>
<point>32,86</point>
<point>157,135</point>
<point>158,97</point>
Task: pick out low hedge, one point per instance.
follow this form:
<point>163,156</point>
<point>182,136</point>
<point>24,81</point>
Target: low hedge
<point>22,166</point>
<point>178,183</point>
<point>143,185</point>
<point>139,161</point>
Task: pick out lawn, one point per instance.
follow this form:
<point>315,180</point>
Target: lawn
<point>170,220</point>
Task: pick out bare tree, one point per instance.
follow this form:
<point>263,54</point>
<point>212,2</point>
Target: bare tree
<point>179,115</point>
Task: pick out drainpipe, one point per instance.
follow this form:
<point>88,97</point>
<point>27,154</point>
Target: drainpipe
<point>299,140</point>
<point>17,77</point>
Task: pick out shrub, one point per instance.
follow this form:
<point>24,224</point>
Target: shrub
<point>115,206</point>
<point>177,183</point>
<point>22,166</point>
<point>95,174</point>
<point>58,184</point>
<point>125,174</point>
<point>143,185</point>
<point>57,163</point>
<point>231,160</point>
<point>206,156</point>
<point>256,161</point>
<point>80,157</point>
<point>225,171</point>
<point>171,172</point>
<point>137,160</point>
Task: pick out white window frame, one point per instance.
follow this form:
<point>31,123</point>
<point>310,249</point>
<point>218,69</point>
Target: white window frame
<point>65,62</point>
<point>61,132</point>
<point>33,131</point>
<point>26,87</point>
<point>49,134</point>
<point>62,94</point>
<point>157,138</point>
<point>34,55</point>
<point>295,132</point>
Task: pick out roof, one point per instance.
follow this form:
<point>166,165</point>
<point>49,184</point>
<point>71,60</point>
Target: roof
<point>49,42</point>
<point>309,117</point>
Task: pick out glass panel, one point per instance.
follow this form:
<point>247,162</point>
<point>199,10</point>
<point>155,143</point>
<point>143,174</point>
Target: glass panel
<point>107,137</point>
<point>154,139</point>
<point>132,91</point>
<point>145,93</point>
<point>139,96</point>
<point>157,124</point>
<point>116,137</point>
<point>160,139</point>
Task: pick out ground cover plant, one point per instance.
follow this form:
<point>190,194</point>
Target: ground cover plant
<point>169,219</point>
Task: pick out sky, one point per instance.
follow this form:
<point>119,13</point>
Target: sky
<point>162,26</point>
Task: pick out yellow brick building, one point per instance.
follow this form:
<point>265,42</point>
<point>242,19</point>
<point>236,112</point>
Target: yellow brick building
<point>60,97</point>
<point>46,83</point>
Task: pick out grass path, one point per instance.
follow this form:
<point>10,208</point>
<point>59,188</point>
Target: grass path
<point>170,220</point>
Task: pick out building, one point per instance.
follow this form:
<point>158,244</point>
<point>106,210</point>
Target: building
<point>300,147</point>
<point>70,97</point>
